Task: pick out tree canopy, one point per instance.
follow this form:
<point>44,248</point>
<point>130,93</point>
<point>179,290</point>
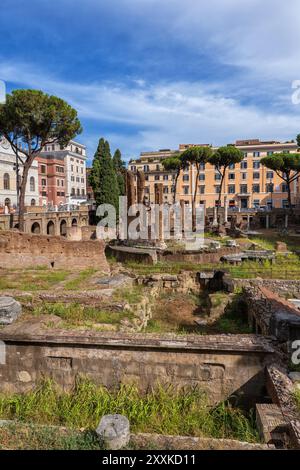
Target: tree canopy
<point>33,119</point>
<point>173,164</point>
<point>286,166</point>
<point>103,177</point>
<point>120,169</point>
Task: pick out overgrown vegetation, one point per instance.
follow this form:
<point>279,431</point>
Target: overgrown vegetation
<point>31,280</point>
<point>163,410</point>
<point>297,398</point>
<point>80,279</point>
<point>75,314</point>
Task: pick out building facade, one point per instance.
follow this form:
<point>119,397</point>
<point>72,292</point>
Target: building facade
<point>52,180</point>
<point>8,183</point>
<point>74,157</point>
<point>247,185</point>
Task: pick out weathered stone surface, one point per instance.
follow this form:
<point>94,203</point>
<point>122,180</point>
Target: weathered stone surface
<point>163,442</point>
<point>118,280</point>
<point>221,365</point>
<point>10,310</point>
<point>114,431</point>
<point>271,423</point>
<point>281,246</point>
<point>27,250</point>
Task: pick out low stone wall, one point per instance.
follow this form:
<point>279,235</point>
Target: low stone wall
<point>205,256</point>
<point>283,288</point>
<point>20,249</point>
<point>223,365</point>
<point>270,314</point>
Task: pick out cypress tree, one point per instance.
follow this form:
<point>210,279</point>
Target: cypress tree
<point>103,178</point>
<point>119,166</point>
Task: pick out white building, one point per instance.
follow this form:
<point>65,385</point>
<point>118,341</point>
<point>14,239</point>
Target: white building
<point>75,167</point>
<point>8,186</point>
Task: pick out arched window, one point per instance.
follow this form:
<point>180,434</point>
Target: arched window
<point>32,184</point>
<point>6,181</point>
<point>7,202</point>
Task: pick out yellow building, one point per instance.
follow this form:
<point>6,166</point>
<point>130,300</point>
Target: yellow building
<point>247,185</point>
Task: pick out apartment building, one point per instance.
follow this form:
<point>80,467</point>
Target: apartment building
<point>52,180</point>
<point>247,185</point>
<point>8,180</point>
<point>74,157</point>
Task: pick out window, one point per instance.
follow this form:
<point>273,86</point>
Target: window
<point>146,167</point>
<point>284,188</point>
<point>57,182</point>
<point>256,203</point>
<point>157,168</point>
<point>32,203</point>
<point>6,181</point>
<point>256,176</point>
<point>255,188</point>
<point>243,189</point>
<point>73,192</point>
<point>147,190</point>
<point>256,154</point>
<point>44,182</point>
<point>82,192</point>
<point>202,177</point>
<point>217,188</point>
<point>270,175</point>
<point>186,178</point>
<point>146,177</point>
<point>202,189</point>
<point>231,166</point>
<point>231,176</point>
<point>72,167</point>
<point>269,153</point>
<point>82,180</point>
<point>244,165</point>
<point>166,190</point>
<point>217,176</point>
<point>72,178</point>
<point>269,187</point>
<point>245,154</point>
<point>231,188</point>
<point>244,176</point>
<point>202,166</point>
<point>256,165</point>
<point>43,169</point>
<point>185,189</point>
<point>62,183</point>
<point>133,168</point>
<point>78,192</point>
<point>285,204</point>
<point>166,177</point>
<point>156,177</point>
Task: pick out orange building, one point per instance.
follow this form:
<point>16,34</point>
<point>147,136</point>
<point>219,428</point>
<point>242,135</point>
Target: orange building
<point>52,181</point>
<point>247,185</point>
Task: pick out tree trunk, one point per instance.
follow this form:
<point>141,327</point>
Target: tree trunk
<point>22,195</point>
<point>175,188</point>
<point>290,197</point>
<point>194,227</point>
<point>220,194</point>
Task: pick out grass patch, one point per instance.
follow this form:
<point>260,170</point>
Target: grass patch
<point>31,280</point>
<point>76,314</point>
<point>77,282</point>
<point>19,436</point>
<point>163,410</point>
<point>234,320</point>
<point>132,295</point>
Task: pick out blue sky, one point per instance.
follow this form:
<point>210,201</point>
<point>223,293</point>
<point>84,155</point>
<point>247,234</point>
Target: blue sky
<point>150,74</point>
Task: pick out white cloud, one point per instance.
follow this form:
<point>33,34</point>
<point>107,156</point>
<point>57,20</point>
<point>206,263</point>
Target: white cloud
<point>163,114</point>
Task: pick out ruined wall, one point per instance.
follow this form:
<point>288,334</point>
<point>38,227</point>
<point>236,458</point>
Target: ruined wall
<point>284,288</point>
<point>221,365</point>
<point>205,256</point>
<point>26,250</point>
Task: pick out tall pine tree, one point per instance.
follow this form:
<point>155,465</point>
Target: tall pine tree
<point>120,168</point>
<point>103,178</point>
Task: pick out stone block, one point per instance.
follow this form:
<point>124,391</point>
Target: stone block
<point>10,310</point>
<point>114,431</point>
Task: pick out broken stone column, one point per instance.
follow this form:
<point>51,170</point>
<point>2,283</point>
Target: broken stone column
<point>158,198</point>
<point>130,188</point>
<point>10,310</point>
<point>225,209</point>
<point>114,431</point>
<point>140,185</point>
